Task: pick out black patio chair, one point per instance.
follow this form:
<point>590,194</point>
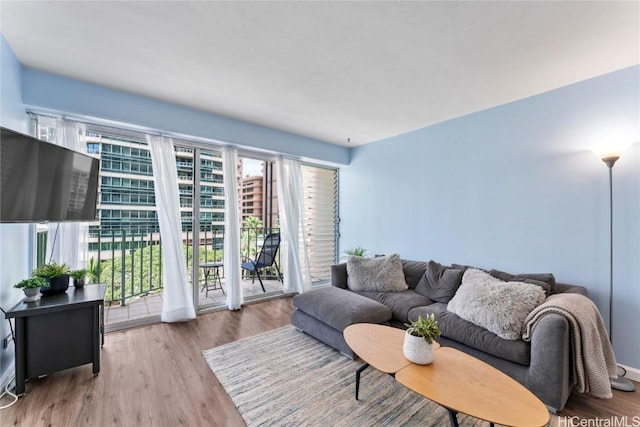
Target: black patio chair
<point>266,258</point>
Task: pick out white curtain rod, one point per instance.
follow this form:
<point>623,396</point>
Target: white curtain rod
<point>199,142</point>
<point>120,126</point>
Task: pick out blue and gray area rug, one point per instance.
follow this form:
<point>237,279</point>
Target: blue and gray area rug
<point>286,378</point>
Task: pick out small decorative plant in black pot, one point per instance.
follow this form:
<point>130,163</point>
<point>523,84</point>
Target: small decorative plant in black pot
<point>79,277</point>
<point>57,276</point>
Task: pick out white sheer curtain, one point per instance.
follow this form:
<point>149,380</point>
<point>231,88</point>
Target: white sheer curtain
<point>68,242</point>
<point>177,304</point>
<point>232,272</point>
<point>293,247</point>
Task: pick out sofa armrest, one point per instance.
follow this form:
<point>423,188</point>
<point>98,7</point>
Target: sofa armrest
<point>561,288</point>
<point>551,363</point>
<point>339,275</point>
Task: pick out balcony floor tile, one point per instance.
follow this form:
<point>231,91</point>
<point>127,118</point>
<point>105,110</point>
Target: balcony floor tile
<point>151,305</point>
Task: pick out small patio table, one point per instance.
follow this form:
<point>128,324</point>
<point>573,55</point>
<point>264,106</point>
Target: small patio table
<point>211,269</point>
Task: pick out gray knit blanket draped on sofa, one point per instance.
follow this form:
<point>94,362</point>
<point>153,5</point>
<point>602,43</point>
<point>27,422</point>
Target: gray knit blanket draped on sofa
<point>594,363</point>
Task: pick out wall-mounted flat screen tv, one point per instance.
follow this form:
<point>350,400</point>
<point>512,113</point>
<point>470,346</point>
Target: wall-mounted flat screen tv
<point>43,182</point>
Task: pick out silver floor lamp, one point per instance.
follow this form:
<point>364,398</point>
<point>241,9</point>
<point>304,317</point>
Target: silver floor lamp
<point>620,383</point>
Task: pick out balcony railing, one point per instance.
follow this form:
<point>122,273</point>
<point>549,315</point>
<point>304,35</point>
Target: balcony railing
<point>129,260</point>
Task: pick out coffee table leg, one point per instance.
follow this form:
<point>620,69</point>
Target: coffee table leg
<point>358,372</point>
<point>453,418</point>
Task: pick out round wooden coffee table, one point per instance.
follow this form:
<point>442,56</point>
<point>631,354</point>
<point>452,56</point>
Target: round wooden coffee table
<point>455,380</point>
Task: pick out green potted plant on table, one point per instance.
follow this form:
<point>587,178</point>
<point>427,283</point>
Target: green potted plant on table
<point>31,288</point>
<point>419,340</point>
<point>57,276</point>
<point>79,277</point>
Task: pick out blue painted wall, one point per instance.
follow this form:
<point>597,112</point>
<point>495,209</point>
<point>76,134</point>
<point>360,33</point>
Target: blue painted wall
<point>12,111</point>
<point>49,91</point>
<point>515,188</point>
<point>15,260</point>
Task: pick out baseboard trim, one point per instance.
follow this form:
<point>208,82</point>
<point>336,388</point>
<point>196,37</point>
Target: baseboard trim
<point>632,373</point>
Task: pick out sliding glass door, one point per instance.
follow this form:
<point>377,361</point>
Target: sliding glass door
<point>201,188</point>
<point>201,178</point>
<point>260,228</point>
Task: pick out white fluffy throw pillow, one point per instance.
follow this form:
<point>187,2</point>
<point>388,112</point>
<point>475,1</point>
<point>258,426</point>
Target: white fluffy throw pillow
<point>380,274</point>
<point>498,306</point>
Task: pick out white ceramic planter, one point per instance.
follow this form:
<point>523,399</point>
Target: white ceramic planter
<point>31,294</point>
<point>417,350</point>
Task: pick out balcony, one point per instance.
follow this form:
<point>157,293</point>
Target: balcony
<point>147,308</point>
<point>129,261</point>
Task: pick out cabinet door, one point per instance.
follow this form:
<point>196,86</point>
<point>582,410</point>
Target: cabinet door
<point>58,341</point>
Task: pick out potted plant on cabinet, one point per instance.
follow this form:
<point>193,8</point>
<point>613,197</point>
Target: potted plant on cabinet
<point>357,251</point>
<point>57,276</point>
<point>31,288</point>
<point>79,277</point>
<point>419,340</point>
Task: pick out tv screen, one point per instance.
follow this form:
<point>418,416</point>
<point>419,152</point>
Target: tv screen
<point>43,182</point>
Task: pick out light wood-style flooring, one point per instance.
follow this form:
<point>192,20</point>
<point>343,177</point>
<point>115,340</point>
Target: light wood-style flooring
<point>156,376</point>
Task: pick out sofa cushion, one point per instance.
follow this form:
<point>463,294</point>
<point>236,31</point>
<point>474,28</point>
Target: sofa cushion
<point>546,280</point>
<point>439,283</point>
<point>339,275</point>
<point>400,303</point>
<point>379,274</point>
<point>454,327</point>
<point>340,308</point>
<point>413,272</point>
<point>464,267</point>
<point>501,307</point>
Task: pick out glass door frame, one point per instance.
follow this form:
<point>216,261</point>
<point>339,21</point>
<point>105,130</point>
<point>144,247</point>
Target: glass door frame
<point>195,233</point>
<point>197,149</point>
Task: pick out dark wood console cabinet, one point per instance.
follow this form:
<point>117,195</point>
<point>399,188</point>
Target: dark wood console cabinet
<point>58,332</point>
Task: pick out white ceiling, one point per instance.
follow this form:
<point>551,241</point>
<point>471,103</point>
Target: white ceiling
<point>328,70</point>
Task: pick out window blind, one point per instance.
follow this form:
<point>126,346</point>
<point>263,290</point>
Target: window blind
<point>321,219</point>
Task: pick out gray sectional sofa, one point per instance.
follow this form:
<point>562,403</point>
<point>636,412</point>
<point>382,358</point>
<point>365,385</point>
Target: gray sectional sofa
<point>542,365</point>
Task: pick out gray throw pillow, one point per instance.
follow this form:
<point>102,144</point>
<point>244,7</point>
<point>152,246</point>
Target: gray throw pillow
<point>500,307</point>
<point>464,266</point>
<point>413,272</point>
<point>546,280</point>
<point>380,274</point>
<point>439,283</point>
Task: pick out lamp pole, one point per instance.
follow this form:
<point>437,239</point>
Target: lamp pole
<point>610,161</point>
<point>619,383</point>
